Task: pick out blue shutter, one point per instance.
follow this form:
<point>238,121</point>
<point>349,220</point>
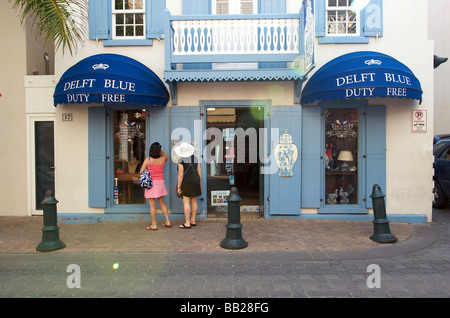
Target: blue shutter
<point>319,12</point>
<point>373,18</point>
<point>159,132</point>
<point>183,120</point>
<point>376,150</point>
<point>192,7</point>
<point>311,156</point>
<point>97,157</point>
<point>155,18</point>
<point>285,192</point>
<point>272,6</point>
<point>98,19</point>
<point>196,7</point>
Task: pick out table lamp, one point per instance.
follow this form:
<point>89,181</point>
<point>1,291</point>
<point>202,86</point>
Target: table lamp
<point>344,156</point>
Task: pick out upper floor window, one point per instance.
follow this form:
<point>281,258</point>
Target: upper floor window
<point>348,21</point>
<point>234,7</point>
<point>341,18</point>
<point>128,19</point>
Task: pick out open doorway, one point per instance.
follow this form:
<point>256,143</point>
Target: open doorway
<point>235,158</point>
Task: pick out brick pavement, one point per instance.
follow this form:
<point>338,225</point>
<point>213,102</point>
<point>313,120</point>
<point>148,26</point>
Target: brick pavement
<point>23,234</point>
<point>312,259</point>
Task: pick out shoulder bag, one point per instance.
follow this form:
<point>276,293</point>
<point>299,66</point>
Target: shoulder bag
<point>145,180</point>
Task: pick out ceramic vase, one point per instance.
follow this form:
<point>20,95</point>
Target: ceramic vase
<point>286,155</point>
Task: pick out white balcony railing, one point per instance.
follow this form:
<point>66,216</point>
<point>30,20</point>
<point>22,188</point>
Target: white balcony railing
<point>196,44</point>
<point>232,38</point>
<point>235,36</point>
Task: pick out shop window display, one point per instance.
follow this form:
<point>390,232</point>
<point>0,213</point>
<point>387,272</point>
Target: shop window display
<point>341,155</point>
<point>129,154</point>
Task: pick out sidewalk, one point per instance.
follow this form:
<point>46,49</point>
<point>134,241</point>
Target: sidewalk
<point>21,235</point>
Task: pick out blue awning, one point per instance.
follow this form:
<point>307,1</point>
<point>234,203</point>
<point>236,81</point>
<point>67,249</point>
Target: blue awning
<point>110,79</point>
<point>362,75</point>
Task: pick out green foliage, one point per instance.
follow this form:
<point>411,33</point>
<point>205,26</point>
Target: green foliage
<point>62,22</point>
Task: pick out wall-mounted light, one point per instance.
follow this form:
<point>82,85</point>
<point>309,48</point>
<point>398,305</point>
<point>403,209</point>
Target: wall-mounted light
<point>47,64</point>
<point>439,60</point>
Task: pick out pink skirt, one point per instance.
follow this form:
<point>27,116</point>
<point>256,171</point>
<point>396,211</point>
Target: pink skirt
<point>158,190</point>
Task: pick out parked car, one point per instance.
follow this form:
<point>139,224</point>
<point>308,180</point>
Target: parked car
<point>440,137</point>
<point>441,190</point>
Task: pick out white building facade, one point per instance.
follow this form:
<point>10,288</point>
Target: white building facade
<point>302,105</point>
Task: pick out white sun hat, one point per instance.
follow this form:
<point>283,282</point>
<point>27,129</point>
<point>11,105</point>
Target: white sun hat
<point>184,150</point>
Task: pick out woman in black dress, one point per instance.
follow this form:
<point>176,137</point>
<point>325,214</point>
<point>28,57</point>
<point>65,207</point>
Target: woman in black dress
<point>189,182</point>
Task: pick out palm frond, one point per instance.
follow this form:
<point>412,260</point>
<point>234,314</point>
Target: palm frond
<point>62,22</point>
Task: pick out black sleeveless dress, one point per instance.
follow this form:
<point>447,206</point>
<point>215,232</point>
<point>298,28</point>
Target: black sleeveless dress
<point>190,186</point>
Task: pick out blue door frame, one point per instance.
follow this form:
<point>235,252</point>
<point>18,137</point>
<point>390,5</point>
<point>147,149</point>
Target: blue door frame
<point>186,124</point>
<point>371,155</point>
<point>266,105</point>
<point>155,130</point>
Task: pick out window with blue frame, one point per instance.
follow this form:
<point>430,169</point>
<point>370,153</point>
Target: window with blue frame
<point>341,155</point>
<point>118,144</point>
<point>341,19</point>
<point>126,22</point>
<point>129,153</point>
<point>348,21</point>
<point>128,19</point>
<point>350,140</point>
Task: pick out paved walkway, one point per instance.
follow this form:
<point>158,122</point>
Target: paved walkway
<point>284,258</point>
<point>318,238</point>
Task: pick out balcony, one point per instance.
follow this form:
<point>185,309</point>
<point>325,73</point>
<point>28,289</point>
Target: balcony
<point>257,47</point>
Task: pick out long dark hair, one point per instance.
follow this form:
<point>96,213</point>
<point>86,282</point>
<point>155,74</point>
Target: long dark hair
<point>155,150</point>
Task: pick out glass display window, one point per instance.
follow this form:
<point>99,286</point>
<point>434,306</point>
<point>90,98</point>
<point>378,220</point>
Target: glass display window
<point>129,154</point>
<point>341,155</point>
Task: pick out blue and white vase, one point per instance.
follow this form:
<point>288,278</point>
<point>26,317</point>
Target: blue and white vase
<point>286,155</point>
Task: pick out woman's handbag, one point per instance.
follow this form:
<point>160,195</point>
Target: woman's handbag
<point>145,180</point>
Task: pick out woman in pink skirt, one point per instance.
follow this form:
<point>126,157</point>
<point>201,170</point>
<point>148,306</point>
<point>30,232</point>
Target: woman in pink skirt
<point>155,165</point>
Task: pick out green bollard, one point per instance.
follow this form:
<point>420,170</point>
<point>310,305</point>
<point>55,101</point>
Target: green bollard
<point>50,235</point>
<point>233,239</point>
<point>382,232</point>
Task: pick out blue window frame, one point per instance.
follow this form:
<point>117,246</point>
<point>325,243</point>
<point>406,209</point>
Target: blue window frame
<point>205,6</point>
<point>343,167</point>
<point>101,23</point>
<point>192,7</point>
<point>102,163</point>
<point>348,21</point>
<point>371,156</point>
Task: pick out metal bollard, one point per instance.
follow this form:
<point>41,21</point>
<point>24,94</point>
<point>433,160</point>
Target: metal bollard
<point>233,239</point>
<point>50,235</point>
<point>382,232</point>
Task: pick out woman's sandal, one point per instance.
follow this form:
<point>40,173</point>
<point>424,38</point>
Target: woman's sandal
<point>151,229</point>
<point>168,226</point>
<point>183,226</point>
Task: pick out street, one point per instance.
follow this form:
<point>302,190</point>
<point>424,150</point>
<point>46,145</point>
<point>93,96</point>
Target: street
<point>421,273</point>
